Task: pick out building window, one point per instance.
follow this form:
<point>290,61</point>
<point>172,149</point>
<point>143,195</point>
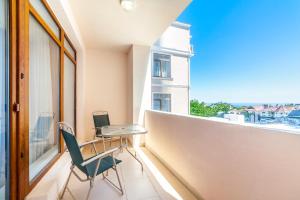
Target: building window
<point>161,102</point>
<point>161,65</point>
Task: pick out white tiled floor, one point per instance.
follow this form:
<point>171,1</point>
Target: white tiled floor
<point>137,185</point>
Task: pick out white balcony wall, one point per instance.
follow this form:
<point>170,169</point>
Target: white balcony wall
<point>226,161</point>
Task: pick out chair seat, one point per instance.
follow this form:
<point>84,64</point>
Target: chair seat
<point>105,164</point>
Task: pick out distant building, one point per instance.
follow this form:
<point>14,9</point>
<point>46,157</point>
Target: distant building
<point>171,69</point>
<point>235,117</point>
<point>283,111</point>
<point>294,117</point>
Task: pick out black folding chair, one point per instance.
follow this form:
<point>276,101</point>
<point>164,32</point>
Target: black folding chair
<point>91,167</point>
<point>101,118</point>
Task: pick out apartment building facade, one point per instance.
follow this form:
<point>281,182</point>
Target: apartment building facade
<point>170,82</point>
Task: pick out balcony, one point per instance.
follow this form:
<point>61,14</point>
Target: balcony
<point>185,157</point>
<point>195,158</point>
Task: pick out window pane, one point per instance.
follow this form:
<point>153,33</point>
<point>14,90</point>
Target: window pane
<point>156,104</point>
<point>161,65</point>
<point>164,68</point>
<point>43,12</point>
<point>43,98</point>
<point>156,68</point>
<point>3,101</point>
<point>69,92</point>
<point>69,48</point>
<point>162,102</point>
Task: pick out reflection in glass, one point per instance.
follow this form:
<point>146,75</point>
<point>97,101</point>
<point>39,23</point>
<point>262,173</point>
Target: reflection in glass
<point>3,102</point>
<point>43,98</point>
<point>69,92</point>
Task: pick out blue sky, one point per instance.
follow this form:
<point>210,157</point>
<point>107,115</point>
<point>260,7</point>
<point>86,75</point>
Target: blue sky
<point>245,50</point>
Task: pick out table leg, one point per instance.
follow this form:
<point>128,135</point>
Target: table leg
<point>133,155</point>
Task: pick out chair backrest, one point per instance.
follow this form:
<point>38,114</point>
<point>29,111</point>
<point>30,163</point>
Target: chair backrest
<point>72,145</point>
<point>43,125</point>
<point>101,119</point>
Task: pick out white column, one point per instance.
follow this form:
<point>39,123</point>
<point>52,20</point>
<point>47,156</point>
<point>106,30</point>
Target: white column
<point>139,85</point>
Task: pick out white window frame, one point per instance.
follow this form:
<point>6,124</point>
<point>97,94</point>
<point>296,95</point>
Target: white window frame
<point>152,100</point>
<point>152,65</point>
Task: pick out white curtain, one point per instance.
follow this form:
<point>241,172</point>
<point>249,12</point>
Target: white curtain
<point>69,91</point>
<point>43,97</point>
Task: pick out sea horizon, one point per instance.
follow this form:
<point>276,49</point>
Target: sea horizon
<point>241,104</point>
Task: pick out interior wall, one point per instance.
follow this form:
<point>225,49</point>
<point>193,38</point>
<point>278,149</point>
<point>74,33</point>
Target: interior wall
<point>218,160</point>
<point>105,87</point>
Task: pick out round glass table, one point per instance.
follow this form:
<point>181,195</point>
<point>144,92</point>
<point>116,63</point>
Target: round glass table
<point>124,131</point>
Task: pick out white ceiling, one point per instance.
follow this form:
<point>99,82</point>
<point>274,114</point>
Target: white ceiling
<point>104,24</point>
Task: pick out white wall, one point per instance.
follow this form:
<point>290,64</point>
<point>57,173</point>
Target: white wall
<point>140,87</point>
<point>175,37</point>
<point>175,41</point>
<point>141,82</point>
<point>226,161</point>
<point>106,87</point>
<point>179,98</point>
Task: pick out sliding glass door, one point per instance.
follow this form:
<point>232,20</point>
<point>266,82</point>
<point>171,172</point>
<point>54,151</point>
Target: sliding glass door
<point>41,94</point>
<point>44,98</point>
<point>3,101</point>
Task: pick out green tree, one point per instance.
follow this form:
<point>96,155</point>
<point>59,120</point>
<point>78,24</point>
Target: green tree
<point>206,110</point>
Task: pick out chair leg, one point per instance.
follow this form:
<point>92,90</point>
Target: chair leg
<point>121,188</point>
<point>110,142</point>
<point>103,143</point>
<point>91,187</point>
<point>63,193</point>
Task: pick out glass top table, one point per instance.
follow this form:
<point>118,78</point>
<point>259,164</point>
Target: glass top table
<point>124,131</point>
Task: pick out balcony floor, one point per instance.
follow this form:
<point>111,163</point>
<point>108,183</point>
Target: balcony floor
<point>156,182</point>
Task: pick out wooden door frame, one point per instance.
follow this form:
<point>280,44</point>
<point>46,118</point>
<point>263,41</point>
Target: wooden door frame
<point>19,12</point>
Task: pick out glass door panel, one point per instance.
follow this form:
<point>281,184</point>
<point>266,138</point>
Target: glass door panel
<point>3,102</point>
<point>69,92</point>
<point>44,98</point>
